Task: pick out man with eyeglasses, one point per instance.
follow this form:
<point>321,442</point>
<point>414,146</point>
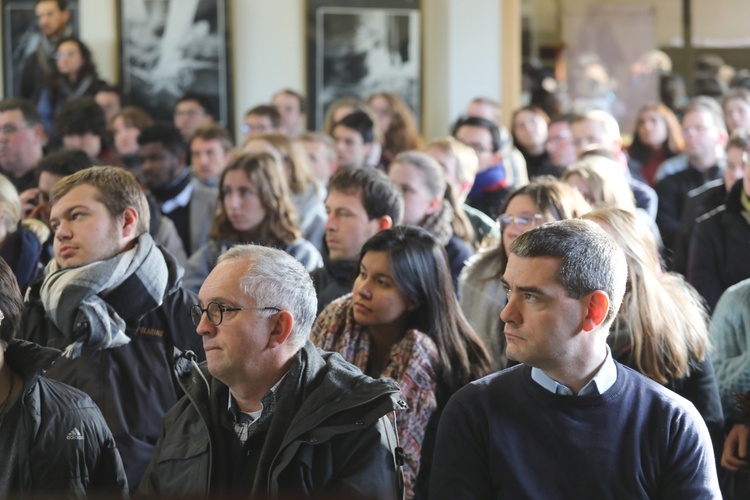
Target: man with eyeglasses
<point>21,140</point>
<point>191,112</point>
<point>490,185</point>
<point>269,415</point>
<point>112,301</point>
<point>263,119</point>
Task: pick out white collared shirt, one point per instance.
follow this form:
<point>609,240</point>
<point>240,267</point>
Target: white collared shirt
<point>602,380</point>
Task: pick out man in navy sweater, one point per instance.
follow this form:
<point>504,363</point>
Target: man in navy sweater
<point>569,422</point>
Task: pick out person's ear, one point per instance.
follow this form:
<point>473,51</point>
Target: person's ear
<point>384,222</point>
<point>434,205</point>
<point>281,329</point>
<point>130,223</point>
<point>596,311</point>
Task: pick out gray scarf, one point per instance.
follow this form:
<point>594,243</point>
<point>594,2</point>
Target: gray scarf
<point>438,223</point>
<point>75,298</point>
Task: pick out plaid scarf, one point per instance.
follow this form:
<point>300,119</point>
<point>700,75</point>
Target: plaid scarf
<point>74,298</point>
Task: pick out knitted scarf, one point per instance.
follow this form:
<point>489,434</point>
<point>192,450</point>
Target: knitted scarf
<point>439,223</point>
<point>75,298</point>
<point>745,202</point>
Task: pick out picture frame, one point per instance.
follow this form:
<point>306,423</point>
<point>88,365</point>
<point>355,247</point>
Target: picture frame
<point>21,36</point>
<point>358,47</point>
<point>172,48</point>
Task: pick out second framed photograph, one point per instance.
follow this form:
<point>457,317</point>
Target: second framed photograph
<point>358,47</point>
<point>170,48</point>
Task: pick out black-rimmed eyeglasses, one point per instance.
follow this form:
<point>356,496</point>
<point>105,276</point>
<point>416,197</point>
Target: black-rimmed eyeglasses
<point>215,312</point>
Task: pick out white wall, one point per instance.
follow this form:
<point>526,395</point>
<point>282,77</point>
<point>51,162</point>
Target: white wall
<point>461,51</point>
<point>715,20</point>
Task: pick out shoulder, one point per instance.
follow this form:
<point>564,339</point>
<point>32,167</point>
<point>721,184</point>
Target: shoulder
<point>204,193</point>
<point>734,300</point>
<point>644,394</point>
<point>496,385</point>
<point>481,266</point>
<point>305,252</point>
<point>458,253</point>
<point>61,403</point>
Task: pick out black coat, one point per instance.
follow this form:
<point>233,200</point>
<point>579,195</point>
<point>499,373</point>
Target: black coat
<point>672,192</point>
<point>329,436</point>
<point>134,384</point>
<point>45,458</point>
<point>719,249</point>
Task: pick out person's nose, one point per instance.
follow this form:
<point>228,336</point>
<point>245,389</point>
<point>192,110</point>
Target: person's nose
<point>63,231</point>
<point>510,313</point>
<point>205,327</point>
<point>330,224</point>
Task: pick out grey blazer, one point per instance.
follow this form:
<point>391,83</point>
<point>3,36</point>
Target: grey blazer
<point>203,205</point>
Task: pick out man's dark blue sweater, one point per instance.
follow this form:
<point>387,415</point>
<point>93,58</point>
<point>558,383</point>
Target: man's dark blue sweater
<point>505,436</point>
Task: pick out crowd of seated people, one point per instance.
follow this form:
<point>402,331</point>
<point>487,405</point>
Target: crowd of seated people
<point>413,252</point>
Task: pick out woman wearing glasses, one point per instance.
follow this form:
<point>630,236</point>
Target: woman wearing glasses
<point>255,206</point>
<point>481,293</point>
<point>402,321</point>
<point>73,75</point>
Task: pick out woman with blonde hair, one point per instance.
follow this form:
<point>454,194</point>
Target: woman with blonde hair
<point>480,289</point>
<point>396,122</point>
<point>21,241</point>
<point>601,182</point>
<point>460,165</point>
<point>661,330</point>
<point>429,202</point>
<point>255,206</point>
<point>307,194</point>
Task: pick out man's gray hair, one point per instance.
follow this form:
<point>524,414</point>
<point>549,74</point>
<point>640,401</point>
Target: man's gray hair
<point>273,278</point>
<point>590,259</point>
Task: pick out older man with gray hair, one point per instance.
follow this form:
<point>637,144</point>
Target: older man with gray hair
<point>268,414</point>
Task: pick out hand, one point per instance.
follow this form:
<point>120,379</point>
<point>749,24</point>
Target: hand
<point>734,456</point>
<point>29,201</point>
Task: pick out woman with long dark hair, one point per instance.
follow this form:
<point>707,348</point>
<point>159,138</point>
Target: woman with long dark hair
<point>73,75</point>
<point>402,321</point>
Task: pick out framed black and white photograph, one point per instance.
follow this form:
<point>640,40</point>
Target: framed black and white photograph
<point>169,48</point>
<point>21,37</point>
<point>358,47</point>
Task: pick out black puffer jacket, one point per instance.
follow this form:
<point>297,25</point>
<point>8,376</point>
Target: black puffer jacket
<point>719,248</point>
<point>134,384</point>
<point>329,435</point>
<point>45,458</point>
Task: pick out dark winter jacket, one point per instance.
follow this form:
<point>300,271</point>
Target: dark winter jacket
<point>59,444</point>
<point>719,248</point>
<point>335,279</point>
<point>329,435</point>
<point>133,384</point>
